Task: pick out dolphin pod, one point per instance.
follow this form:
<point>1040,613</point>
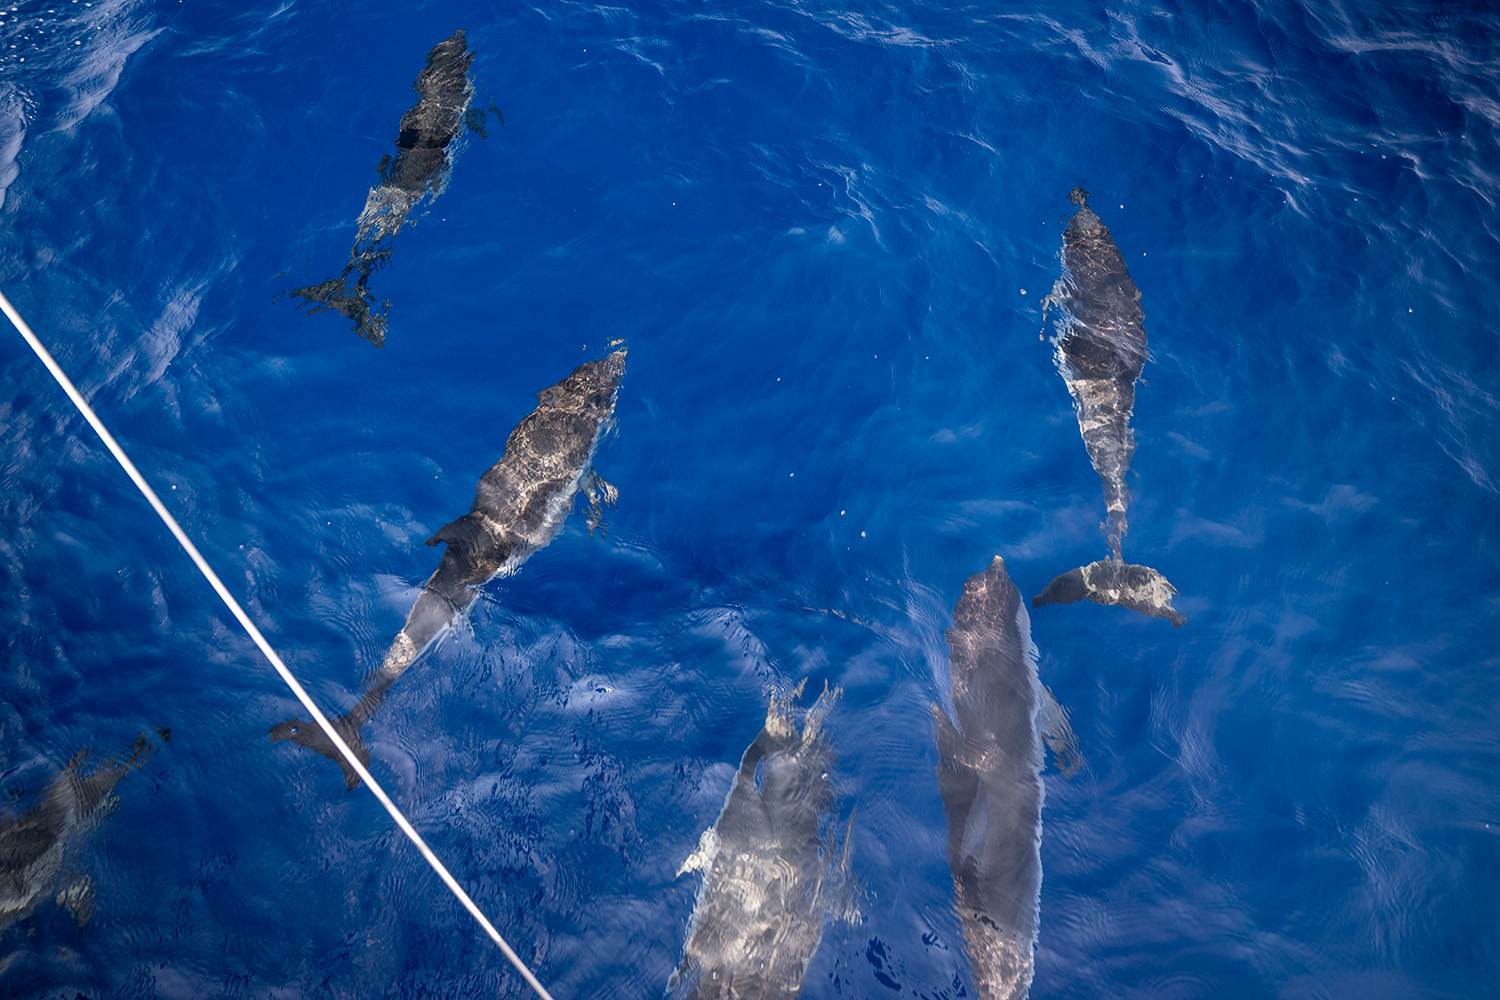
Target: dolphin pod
<point>34,843</point>
<point>420,168</point>
<point>1100,351</point>
<point>520,506</point>
<point>773,870</point>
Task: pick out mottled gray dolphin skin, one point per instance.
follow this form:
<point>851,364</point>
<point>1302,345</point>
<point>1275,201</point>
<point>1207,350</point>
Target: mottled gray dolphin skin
<point>1100,351</point>
<point>773,872</point>
<point>420,167</point>
<point>520,506</point>
<point>1139,588</point>
<point>34,843</point>
<point>989,777</point>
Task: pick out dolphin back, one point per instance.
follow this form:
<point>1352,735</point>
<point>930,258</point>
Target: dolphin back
<point>989,777</point>
<point>774,868</point>
<point>1104,330</point>
<point>525,497</point>
<point>429,127</point>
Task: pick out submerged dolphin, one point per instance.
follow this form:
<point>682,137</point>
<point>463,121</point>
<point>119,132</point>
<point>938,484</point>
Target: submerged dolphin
<point>34,843</point>
<point>989,776</point>
<point>773,871</point>
<point>1100,351</point>
<point>520,506</point>
<point>420,168</point>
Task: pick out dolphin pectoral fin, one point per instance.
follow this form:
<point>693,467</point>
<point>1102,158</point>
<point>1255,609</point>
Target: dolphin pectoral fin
<point>1057,733</point>
<point>844,888</point>
<point>947,734</point>
<point>1139,588</point>
<point>311,735</point>
<point>78,899</point>
<point>957,781</point>
<point>474,120</point>
<point>700,859</point>
<point>601,495</point>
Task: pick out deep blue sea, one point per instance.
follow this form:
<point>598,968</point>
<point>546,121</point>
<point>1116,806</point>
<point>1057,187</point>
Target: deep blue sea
<point>824,231</point>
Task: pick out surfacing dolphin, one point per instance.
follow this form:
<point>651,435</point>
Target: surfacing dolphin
<point>989,776</point>
<point>1100,351</point>
<point>520,506</point>
<point>423,161</point>
<point>774,870</point>
<point>34,843</point>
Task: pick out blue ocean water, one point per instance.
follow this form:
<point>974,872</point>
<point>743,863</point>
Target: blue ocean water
<point>824,232</point>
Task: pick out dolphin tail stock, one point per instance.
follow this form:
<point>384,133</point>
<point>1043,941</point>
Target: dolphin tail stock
<point>311,735</point>
<point>1113,581</point>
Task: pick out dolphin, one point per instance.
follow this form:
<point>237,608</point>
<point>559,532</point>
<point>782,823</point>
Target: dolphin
<point>773,867</point>
<point>34,844</point>
<point>989,777</point>
<point>423,161</point>
<point>520,506</point>
<point>1100,351</point>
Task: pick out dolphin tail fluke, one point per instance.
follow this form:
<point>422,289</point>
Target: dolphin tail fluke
<point>311,735</point>
<point>1108,581</point>
<point>354,303</point>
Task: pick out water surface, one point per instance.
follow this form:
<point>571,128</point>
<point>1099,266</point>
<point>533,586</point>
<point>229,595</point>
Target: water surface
<point>824,232</point>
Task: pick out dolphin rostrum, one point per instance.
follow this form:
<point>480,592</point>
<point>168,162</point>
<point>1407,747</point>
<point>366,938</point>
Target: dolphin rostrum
<point>520,506</point>
<point>1100,351</point>
<point>989,776</point>
<point>423,160</point>
<point>34,843</point>
<point>773,868</point>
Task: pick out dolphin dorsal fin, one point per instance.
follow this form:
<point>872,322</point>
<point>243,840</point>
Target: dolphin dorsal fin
<point>456,533</point>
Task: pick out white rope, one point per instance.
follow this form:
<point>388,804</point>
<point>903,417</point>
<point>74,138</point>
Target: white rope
<point>265,647</point>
